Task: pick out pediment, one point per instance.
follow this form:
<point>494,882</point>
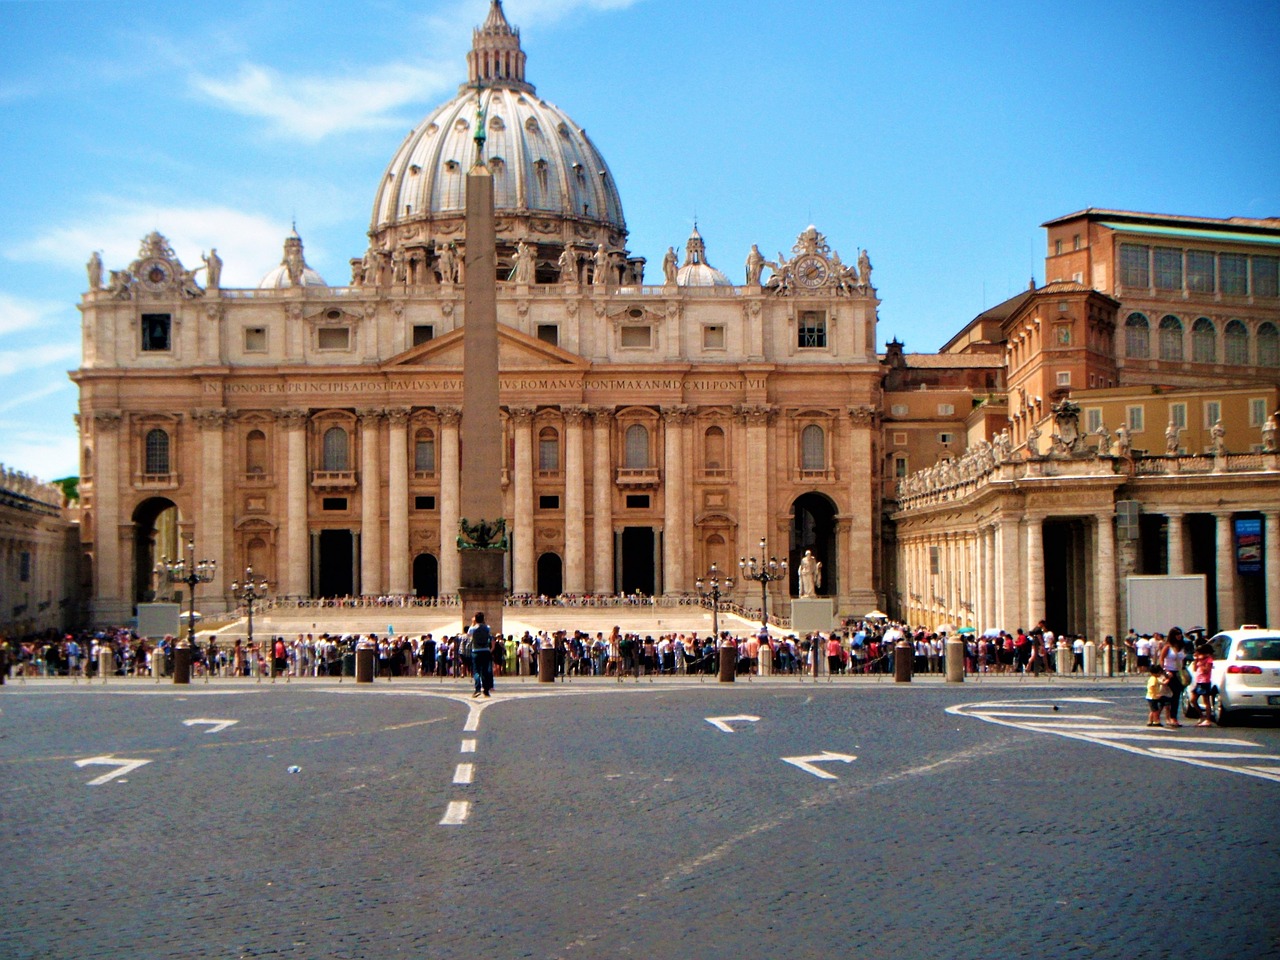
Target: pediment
<point>516,351</point>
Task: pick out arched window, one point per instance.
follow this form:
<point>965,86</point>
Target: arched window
<point>1236,343</point>
<point>1204,341</point>
<point>424,452</point>
<point>1170,338</point>
<point>157,459</point>
<point>1268,345</point>
<point>335,449</point>
<point>813,448</point>
<point>548,450</point>
<point>255,452</point>
<point>1137,337</point>
<point>713,449</point>
<point>637,447</point>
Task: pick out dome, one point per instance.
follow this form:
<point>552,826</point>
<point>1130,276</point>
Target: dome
<point>696,272</point>
<point>551,185</point>
<point>293,270</point>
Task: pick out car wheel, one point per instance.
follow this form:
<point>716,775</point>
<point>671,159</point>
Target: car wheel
<point>1221,717</point>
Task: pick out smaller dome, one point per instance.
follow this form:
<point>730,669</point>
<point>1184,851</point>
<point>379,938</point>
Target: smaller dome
<point>293,270</point>
<point>696,272</point>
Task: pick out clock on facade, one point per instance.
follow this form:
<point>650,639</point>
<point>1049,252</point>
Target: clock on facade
<point>811,270</point>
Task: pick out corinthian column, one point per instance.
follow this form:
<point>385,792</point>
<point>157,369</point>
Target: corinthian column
<point>1035,571</point>
<point>602,502</point>
<point>1105,580</point>
<point>575,503</point>
<point>1226,574</point>
<point>212,487</point>
<point>449,508</point>
<point>108,595</point>
<point>295,558</point>
<point>398,507</point>
<point>523,574</point>
<point>370,504</point>
<point>675,536</point>
<point>755,466</point>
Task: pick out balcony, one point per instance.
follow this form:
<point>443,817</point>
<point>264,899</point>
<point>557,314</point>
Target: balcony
<point>155,481</point>
<point>256,478</point>
<point>333,479</point>
<point>638,478</point>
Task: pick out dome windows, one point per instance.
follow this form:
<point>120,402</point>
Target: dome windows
<point>452,166</point>
<point>495,123</point>
<point>461,126</point>
<point>531,125</point>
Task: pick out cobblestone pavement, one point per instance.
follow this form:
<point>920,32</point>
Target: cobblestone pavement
<point>595,820</point>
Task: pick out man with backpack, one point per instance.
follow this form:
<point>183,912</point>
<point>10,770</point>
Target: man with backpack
<point>481,642</point>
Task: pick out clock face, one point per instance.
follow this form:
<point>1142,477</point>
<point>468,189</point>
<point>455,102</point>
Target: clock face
<point>811,271</point>
<point>154,274</point>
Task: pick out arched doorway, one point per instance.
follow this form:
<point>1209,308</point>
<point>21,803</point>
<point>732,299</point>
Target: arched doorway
<point>426,576</point>
<point>155,538</point>
<point>813,528</point>
<point>550,575</point>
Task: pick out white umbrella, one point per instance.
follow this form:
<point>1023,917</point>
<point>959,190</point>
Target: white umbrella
<point>945,628</point>
<point>875,615</point>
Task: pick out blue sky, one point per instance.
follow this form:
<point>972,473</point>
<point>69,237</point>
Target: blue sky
<point>938,136</point>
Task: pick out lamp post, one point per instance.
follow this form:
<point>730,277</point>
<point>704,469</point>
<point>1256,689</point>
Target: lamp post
<point>248,591</point>
<point>709,589</point>
<point>191,572</point>
<point>763,572</point>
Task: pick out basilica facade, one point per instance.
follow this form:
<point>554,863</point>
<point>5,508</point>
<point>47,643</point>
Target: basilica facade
<point>651,430</point>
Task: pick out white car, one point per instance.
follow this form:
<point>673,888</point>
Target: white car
<point>1246,672</point>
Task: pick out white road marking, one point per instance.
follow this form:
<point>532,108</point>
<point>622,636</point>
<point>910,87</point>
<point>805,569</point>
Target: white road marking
<point>468,746</point>
<point>807,763</point>
<point>465,773</point>
<point>456,813</point>
<point>474,708</point>
<point>722,723</point>
<point>122,766</point>
<point>215,726</point>
<point>1200,749</point>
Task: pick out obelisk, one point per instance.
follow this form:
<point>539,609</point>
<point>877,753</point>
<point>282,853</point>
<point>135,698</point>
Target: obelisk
<point>482,539</point>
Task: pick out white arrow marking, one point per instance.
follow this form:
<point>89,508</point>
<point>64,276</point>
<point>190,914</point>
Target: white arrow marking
<point>722,723</point>
<point>807,763</point>
<point>122,767</point>
<point>215,726</point>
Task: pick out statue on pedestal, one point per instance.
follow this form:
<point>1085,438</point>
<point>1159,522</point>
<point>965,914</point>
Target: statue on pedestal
<point>1219,434</point>
<point>669,266</point>
<point>1269,434</point>
<point>1171,435</point>
<point>213,269</point>
<point>755,265</point>
<point>809,574</point>
<point>94,266</point>
<point>568,266</point>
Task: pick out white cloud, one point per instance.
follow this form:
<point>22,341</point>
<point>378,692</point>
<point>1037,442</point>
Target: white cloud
<point>17,313</point>
<point>41,453</point>
<point>315,107</point>
<point>14,401</point>
<point>32,358</point>
<point>249,244</point>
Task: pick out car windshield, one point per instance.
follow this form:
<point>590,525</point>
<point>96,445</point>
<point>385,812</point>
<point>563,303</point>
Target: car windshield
<point>1264,648</point>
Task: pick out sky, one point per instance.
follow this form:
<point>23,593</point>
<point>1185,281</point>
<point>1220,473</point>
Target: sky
<point>938,136</point>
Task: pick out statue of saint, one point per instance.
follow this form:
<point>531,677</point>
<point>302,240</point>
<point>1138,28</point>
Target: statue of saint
<point>94,266</point>
<point>1269,434</point>
<point>669,267</point>
<point>294,265</point>
<point>809,573</point>
<point>446,262</point>
<point>1171,435</point>
<point>524,263</point>
<point>755,265</point>
<point>864,270</point>
<point>213,269</point>
<point>1219,434</point>
<point>601,273</point>
<point>1124,446</point>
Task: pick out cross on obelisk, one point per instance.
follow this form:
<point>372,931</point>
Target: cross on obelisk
<point>482,539</point>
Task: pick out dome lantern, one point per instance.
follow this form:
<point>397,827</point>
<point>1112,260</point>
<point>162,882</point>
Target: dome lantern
<point>496,58</point>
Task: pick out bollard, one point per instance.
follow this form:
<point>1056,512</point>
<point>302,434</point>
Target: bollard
<point>364,662</point>
<point>765,657</point>
<point>106,662</point>
<point>954,654</point>
<point>1064,658</point>
<point>903,653</point>
<point>182,664</point>
<point>1090,658</point>
<point>728,662</point>
<point>547,665</point>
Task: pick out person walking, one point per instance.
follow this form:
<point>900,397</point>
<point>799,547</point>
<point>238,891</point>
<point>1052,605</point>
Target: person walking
<point>481,642</point>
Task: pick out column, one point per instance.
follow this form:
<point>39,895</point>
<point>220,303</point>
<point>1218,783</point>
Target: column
<point>992,618</point>
<point>1174,545</point>
<point>370,504</point>
<point>602,502</point>
<point>1105,622</point>
<point>108,594</point>
<point>398,507</point>
<point>450,566</point>
<point>295,581</point>
<point>755,468</point>
<point>1035,570</point>
<point>1009,577</point>
<point>1271,564</point>
<point>673,500</point>
<point>1226,574</point>
<point>575,503</point>
<point>523,580</point>
<point>212,487</point>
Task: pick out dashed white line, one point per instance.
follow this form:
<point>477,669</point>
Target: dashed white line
<point>456,813</point>
<point>465,773</point>
<point>468,746</point>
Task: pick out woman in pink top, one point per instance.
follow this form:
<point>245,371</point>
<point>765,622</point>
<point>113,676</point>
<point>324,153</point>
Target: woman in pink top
<point>834,660</point>
<point>1202,677</point>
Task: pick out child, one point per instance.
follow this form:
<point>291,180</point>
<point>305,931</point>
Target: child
<point>1157,694</point>
<point>1202,675</point>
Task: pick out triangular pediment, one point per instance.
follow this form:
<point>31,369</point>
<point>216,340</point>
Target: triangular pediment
<point>516,351</point>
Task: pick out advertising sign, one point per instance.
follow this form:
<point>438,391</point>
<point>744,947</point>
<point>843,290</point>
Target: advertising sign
<point>1248,545</point>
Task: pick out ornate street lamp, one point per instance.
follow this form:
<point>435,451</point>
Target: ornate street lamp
<point>709,589</point>
<point>248,591</point>
<point>763,572</point>
<point>191,572</point>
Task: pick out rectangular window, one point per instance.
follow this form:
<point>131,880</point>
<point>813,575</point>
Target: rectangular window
<point>812,330</point>
<point>1057,248</point>
<point>334,503</point>
<point>945,438</point>
<point>638,337</point>
<point>1178,415</point>
<point>334,338</point>
<point>637,501</point>
<point>24,566</point>
<point>1200,277</point>
<point>1093,419</point>
<point>1168,269</point>
<point>255,339</point>
<point>424,456</point>
<point>713,338</point>
<point>1266,276</point>
<point>548,503</point>
<point>423,333</point>
<point>549,455</point>
<point>155,331</point>
<point>1212,413</point>
<point>946,409</point>
<point>1135,419</point>
<point>1135,265</point>
<point>1064,378</point>
<point>549,333</point>
<point>900,466</point>
<point>1075,242</point>
<point>1257,411</point>
<point>1233,274</point>
<point>424,503</point>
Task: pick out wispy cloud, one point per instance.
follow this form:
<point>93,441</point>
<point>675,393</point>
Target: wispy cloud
<point>17,313</point>
<point>23,399</point>
<point>35,357</point>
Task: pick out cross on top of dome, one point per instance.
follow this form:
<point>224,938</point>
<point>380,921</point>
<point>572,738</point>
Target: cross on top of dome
<point>496,58</point>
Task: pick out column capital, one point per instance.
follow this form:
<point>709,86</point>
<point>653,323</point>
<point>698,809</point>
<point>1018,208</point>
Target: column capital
<point>755,414</point>
<point>449,416</point>
<point>397,416</point>
<point>863,415</point>
<point>677,414</point>
<point>107,421</point>
<point>575,416</point>
<point>521,416</point>
<point>602,415</point>
<point>214,419</point>
<point>371,417</point>
<point>293,419</point>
